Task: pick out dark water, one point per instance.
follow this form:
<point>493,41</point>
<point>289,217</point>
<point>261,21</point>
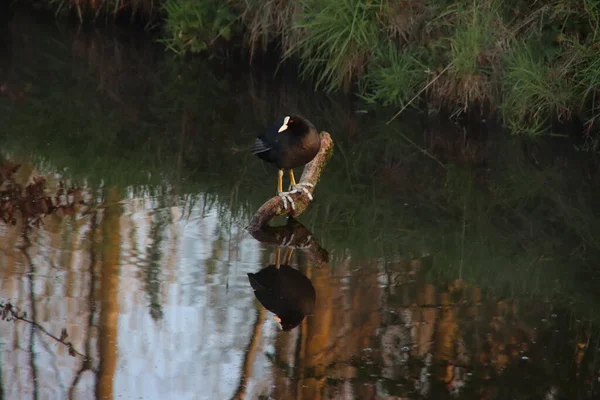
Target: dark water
<point>470,279</point>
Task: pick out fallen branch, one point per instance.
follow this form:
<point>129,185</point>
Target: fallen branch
<point>311,174</point>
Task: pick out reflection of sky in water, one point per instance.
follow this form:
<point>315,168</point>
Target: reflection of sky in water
<point>195,351</point>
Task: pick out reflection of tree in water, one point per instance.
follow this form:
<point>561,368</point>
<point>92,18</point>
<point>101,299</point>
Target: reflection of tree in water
<point>152,271</point>
<point>453,340</point>
<point>249,356</point>
<point>32,306</point>
<point>410,338</point>
<point>24,208</point>
<point>108,319</point>
<point>87,364</point>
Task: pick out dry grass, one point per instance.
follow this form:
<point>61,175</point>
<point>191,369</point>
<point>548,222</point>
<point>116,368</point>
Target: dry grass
<point>269,21</point>
<point>93,9</point>
<point>403,20</point>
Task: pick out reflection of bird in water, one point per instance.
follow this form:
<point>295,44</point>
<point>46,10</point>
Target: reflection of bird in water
<point>291,143</point>
<point>284,291</point>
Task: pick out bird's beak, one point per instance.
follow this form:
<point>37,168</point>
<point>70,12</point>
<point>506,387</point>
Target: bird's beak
<point>286,121</point>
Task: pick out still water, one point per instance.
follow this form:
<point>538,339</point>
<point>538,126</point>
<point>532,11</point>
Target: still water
<point>447,261</point>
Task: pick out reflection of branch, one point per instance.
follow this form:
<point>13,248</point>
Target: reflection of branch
<point>10,313</point>
<point>30,276</point>
<point>249,357</point>
<point>312,172</point>
<point>293,235</point>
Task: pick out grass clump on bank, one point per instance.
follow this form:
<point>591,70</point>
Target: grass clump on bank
<point>534,62</point>
<point>535,90</point>
<point>394,77</point>
<point>470,53</point>
<point>337,41</point>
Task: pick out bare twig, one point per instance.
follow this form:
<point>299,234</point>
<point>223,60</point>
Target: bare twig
<point>418,94</point>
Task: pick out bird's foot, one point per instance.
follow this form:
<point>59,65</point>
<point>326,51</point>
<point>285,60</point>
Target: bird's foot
<point>302,187</point>
<point>297,188</point>
<point>287,198</point>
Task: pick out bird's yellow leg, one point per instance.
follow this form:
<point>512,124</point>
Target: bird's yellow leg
<point>292,179</point>
<point>280,181</point>
<point>288,255</point>
<point>285,196</point>
<point>277,257</point>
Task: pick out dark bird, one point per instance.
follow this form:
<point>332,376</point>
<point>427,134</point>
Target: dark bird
<point>284,291</point>
<point>288,144</point>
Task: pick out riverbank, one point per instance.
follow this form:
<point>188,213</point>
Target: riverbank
<point>534,66</point>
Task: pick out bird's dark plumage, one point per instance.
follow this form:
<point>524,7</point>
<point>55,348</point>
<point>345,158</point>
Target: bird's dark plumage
<point>260,146</point>
<point>291,147</point>
<point>284,291</point>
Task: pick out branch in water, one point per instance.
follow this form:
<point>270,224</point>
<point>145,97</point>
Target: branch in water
<point>9,313</point>
<point>296,236</point>
<point>311,174</point>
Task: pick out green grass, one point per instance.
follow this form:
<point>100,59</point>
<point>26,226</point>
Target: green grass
<point>535,90</point>
<point>337,39</point>
<point>587,85</point>
<point>471,52</point>
<point>394,77</point>
<point>478,29</point>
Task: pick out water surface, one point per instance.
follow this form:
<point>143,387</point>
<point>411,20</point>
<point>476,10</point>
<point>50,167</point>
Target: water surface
<point>447,261</point>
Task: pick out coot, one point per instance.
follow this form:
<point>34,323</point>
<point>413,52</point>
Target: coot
<point>288,144</point>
